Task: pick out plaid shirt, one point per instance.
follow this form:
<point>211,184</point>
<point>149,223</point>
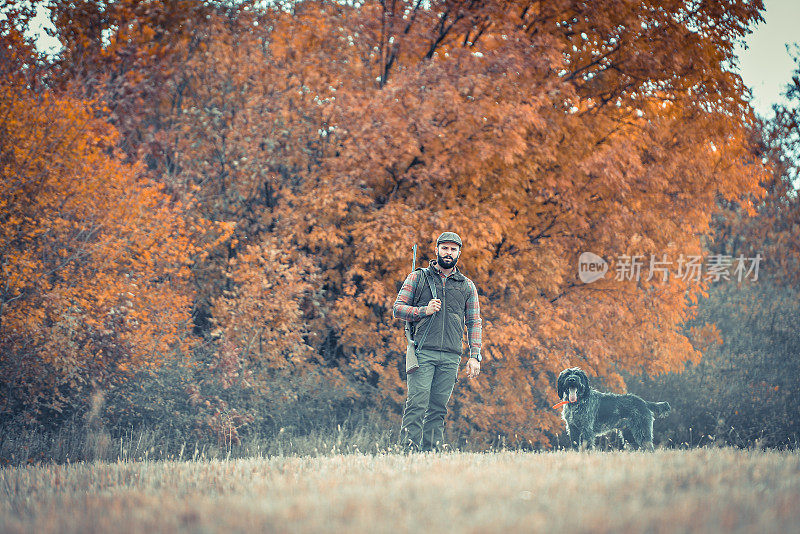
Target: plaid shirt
<point>404,310</point>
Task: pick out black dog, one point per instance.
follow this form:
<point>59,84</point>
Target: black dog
<point>590,413</point>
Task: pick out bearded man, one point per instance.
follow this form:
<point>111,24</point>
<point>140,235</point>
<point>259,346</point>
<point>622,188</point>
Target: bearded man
<point>438,325</point>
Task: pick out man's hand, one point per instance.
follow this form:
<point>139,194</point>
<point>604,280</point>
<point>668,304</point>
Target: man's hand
<point>433,306</point>
<point>473,368</point>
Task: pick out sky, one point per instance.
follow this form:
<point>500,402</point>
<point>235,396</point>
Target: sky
<point>765,65</point>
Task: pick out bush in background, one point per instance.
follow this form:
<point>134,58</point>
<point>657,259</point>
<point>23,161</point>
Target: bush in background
<point>744,390</point>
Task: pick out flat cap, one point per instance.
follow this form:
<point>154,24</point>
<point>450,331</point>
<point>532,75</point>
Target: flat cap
<point>449,237</point>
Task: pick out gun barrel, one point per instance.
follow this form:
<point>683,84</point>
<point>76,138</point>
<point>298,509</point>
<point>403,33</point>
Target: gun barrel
<point>409,332</point>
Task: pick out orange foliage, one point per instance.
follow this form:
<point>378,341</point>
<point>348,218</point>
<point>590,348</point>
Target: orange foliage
<point>611,129</point>
<point>257,314</point>
<point>95,258</point>
<point>775,230</point>
<point>337,136</point>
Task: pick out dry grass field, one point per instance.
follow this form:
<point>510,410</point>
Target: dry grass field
<point>702,490</point>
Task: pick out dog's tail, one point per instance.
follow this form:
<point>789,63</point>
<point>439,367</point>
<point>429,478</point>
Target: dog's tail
<point>659,409</point>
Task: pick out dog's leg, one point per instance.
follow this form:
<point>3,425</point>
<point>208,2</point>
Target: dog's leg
<point>587,441</point>
<point>643,434</point>
<point>628,435</point>
<point>648,436</point>
<point>574,436</point>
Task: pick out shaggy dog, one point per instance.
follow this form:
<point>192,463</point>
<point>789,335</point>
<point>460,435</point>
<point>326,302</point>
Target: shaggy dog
<point>591,413</point>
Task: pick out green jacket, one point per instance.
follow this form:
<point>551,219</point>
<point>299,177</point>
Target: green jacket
<point>447,325</point>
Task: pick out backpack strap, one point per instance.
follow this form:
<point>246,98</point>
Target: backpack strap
<point>416,285</point>
<point>430,283</point>
<point>418,343</point>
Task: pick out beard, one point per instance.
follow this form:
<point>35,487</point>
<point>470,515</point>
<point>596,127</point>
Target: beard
<point>448,262</point>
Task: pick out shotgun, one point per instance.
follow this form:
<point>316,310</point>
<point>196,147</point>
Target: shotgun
<point>412,364</point>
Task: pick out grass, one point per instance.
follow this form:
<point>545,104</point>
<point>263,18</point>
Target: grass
<point>700,490</point>
<point>79,442</point>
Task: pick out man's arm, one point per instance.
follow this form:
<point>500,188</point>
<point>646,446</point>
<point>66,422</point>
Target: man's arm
<point>402,308</point>
<point>472,318</point>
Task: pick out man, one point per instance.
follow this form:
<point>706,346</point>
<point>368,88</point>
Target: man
<point>439,326</point>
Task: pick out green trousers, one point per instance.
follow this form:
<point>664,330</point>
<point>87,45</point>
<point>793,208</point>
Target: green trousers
<point>429,390</point>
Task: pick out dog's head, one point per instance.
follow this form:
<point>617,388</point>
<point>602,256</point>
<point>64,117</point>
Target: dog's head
<point>573,384</point>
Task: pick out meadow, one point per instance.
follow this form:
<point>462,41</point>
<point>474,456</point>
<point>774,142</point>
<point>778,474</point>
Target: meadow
<point>698,490</point>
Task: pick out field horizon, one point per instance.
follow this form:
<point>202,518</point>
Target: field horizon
<point>698,490</point>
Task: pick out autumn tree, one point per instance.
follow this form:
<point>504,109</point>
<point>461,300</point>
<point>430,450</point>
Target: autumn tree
<point>743,391</point>
<point>336,135</point>
<point>95,257</point>
<point>775,232</point>
<point>537,131</point>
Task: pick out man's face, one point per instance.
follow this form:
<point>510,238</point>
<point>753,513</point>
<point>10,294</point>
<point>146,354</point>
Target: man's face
<point>447,254</point>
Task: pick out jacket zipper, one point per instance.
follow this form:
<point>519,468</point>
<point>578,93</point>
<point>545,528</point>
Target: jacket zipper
<point>444,310</point>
